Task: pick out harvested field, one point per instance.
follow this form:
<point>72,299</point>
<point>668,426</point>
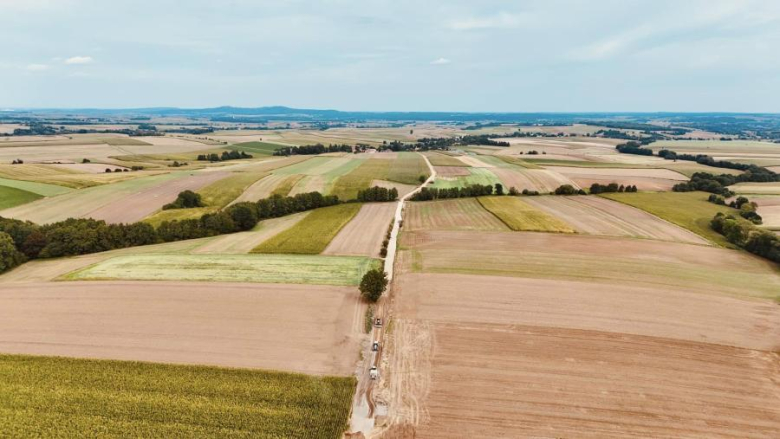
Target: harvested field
<point>81,203</point>
<point>510,381</point>
<point>88,168</point>
<point>264,187</point>
<point>364,234</point>
<point>452,171</point>
<point>60,396</point>
<point>439,159</point>
<point>12,197</point>
<point>644,178</point>
<point>629,309</point>
<point>481,176</point>
<point>139,205</point>
<point>402,189</point>
<point>309,183</point>
<point>474,161</point>
<point>541,180</point>
<point>286,327</point>
<point>521,216</point>
<point>689,210</point>
<point>457,214</point>
<point>599,216</point>
<point>646,263</point>
<point>756,188</point>
<point>291,269</point>
<point>312,234</point>
<point>347,186</point>
<point>244,242</point>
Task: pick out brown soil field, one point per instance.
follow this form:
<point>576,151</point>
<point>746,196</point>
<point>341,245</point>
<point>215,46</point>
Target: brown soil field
<point>244,242</point>
<point>460,214</point>
<point>529,381</point>
<point>364,234</point>
<point>629,309</point>
<point>599,216</point>
<point>612,260</point>
<point>310,329</point>
<point>402,189</point>
<point>452,171</point>
<point>139,205</point>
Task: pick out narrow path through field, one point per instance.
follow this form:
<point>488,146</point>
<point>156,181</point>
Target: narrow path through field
<point>362,419</point>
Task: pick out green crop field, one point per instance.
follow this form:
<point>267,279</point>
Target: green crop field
<point>408,168</point>
<point>12,197</point>
<point>439,159</point>
<point>481,176</point>
<point>521,216</point>
<point>47,190</point>
<point>689,210</point>
<point>347,186</point>
<point>294,269</point>
<point>312,234</point>
<point>259,148</point>
<point>61,397</point>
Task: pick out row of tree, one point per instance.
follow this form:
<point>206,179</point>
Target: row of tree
<point>225,156</point>
<point>319,148</point>
<point>474,190</point>
<point>760,242</point>
<point>747,209</point>
<point>597,188</point>
<point>377,193</point>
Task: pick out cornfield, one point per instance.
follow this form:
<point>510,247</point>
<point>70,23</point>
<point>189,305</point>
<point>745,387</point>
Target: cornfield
<point>60,397</point>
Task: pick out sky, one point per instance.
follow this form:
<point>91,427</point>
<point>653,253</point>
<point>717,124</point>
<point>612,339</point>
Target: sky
<point>393,55</point>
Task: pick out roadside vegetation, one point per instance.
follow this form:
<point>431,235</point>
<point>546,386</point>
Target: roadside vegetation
<point>61,397</point>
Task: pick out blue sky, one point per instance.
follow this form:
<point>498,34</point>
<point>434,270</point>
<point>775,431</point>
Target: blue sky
<point>554,55</point>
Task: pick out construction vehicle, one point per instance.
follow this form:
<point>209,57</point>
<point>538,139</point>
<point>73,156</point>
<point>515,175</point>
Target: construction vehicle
<point>373,373</point>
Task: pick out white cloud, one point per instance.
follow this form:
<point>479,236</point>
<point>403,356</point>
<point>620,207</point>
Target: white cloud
<point>79,60</point>
<point>440,61</point>
<point>37,67</point>
<point>500,21</point>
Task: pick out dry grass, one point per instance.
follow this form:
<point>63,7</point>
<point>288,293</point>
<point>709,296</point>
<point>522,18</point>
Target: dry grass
<point>521,216</point>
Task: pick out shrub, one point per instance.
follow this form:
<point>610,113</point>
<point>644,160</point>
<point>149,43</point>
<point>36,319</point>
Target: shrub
<point>565,189</point>
<point>10,257</point>
<point>186,200</point>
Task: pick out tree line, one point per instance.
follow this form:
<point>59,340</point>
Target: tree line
<point>718,184</point>
<point>747,209</point>
<point>225,156</point>
<point>745,235</point>
<point>377,193</point>
<point>318,148</point>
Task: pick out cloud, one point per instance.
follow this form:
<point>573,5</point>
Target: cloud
<point>440,61</point>
<point>37,67</point>
<point>79,60</point>
<point>499,21</point>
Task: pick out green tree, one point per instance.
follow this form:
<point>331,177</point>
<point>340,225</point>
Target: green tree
<point>10,257</point>
<point>373,284</point>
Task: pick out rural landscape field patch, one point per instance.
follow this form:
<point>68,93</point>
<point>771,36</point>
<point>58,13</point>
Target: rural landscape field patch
<point>521,216</point>
<point>312,234</point>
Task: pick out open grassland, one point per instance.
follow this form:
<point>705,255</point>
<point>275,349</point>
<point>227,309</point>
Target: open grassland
<point>684,267</point>
<point>363,235</point>
<point>259,148</point>
<point>481,176</point>
<point>12,197</point>
<point>312,234</point>
<point>689,210</point>
<point>600,216</point>
<point>295,269</point>
<point>521,216</point>
<point>408,168</point>
<point>439,159</point>
<point>47,190</point>
<point>59,397</point>
<point>347,186</point>
<point>457,214</point>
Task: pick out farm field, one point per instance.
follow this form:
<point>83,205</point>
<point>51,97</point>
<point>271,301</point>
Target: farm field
<point>599,216</point>
<point>347,186</point>
<point>408,168</point>
<point>521,216</point>
<point>456,214</point>
<point>48,396</point>
<point>689,210</point>
<point>313,233</point>
<point>756,188</point>
<point>440,159</point>
<point>363,235</point>
<point>649,263</point>
<point>296,269</point>
<point>244,242</point>
<point>402,189</point>
<point>541,180</point>
<point>644,179</point>
<point>46,190</point>
<point>12,197</point>
<point>476,176</point>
